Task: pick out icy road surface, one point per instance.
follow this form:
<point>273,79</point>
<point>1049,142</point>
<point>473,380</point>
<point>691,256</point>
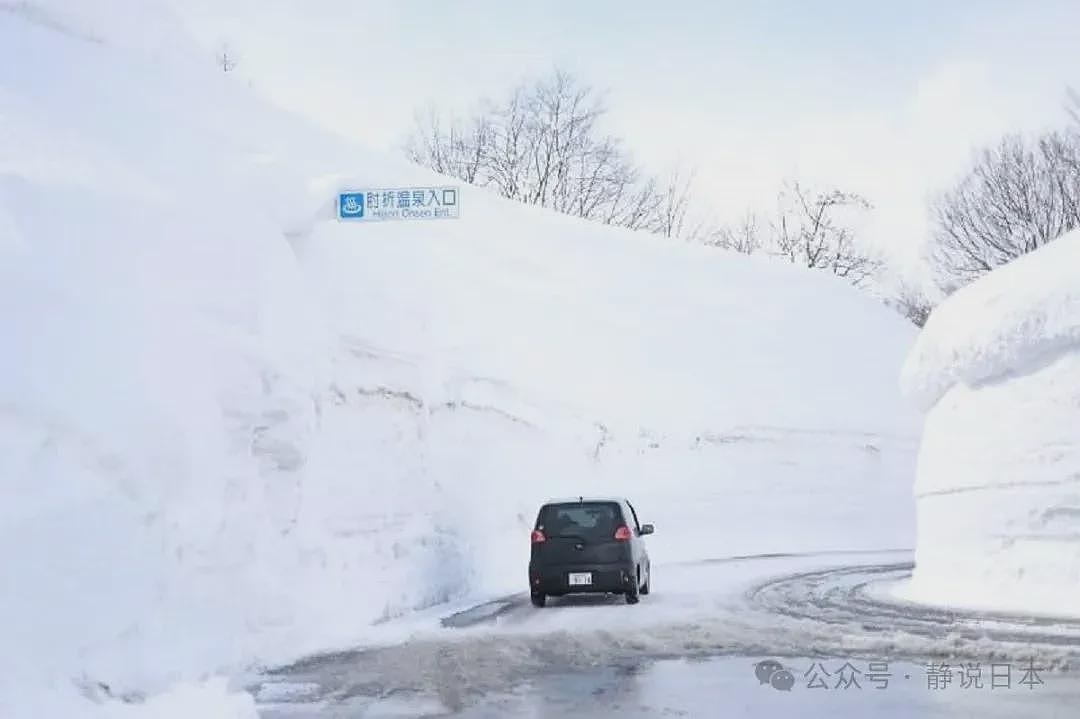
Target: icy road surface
<point>690,649</point>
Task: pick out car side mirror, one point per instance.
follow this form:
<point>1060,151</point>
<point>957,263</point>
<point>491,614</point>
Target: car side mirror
<point>647,529</point>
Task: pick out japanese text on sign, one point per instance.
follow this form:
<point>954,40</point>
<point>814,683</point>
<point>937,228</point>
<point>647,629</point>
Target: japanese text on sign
<point>402,203</point>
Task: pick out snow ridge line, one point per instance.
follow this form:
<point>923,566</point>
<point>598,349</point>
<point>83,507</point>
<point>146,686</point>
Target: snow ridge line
<point>868,441</point>
<point>1072,479</point>
<point>418,404</point>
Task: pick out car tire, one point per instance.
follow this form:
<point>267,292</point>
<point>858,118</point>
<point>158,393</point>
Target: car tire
<point>647,586</point>
<point>538,600</point>
<point>632,594</point>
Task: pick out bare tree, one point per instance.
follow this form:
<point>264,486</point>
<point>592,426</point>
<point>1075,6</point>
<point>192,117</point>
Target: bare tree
<point>811,229</point>
<point>565,150</point>
<point>1071,154</point>
<point>541,145</point>
<point>635,205</point>
<point>456,149</point>
<point>911,303</point>
<point>1018,196</point>
<point>675,203</point>
<point>743,236</point>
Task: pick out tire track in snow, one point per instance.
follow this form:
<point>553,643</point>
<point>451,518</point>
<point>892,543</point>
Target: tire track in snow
<point>841,597</point>
<point>826,612</point>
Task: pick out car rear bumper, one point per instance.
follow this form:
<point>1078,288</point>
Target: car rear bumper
<point>555,579</point>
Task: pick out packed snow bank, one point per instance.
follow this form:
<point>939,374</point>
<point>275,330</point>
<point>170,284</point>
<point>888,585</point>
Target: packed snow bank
<point>232,431</point>
<point>612,325</point>
<point>1011,319</point>
<point>998,483</point>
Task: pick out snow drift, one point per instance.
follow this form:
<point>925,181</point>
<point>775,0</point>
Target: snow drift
<point>997,369</point>
<point>233,431</point>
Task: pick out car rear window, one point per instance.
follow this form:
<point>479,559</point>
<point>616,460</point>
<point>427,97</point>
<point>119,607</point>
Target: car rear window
<point>580,519</point>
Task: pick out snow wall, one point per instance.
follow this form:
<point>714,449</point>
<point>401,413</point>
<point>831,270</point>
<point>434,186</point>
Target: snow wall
<point>997,370</point>
<point>233,431</point>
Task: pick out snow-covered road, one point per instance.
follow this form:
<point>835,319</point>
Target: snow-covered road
<point>691,644</point>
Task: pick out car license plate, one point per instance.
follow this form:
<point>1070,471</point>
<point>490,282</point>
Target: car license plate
<point>580,579</point>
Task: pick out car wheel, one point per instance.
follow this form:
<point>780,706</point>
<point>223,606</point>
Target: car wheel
<point>647,586</point>
<point>632,594</point>
<point>538,600</point>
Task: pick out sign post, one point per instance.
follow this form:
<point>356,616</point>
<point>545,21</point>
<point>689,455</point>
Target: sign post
<point>399,203</point>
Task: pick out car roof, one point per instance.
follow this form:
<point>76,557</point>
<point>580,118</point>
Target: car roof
<point>585,498</point>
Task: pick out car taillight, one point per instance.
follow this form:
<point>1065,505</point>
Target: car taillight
<point>623,533</point>
<point>538,536</point>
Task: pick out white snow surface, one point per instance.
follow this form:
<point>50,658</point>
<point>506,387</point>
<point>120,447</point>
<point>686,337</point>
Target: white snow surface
<point>1012,318</point>
<point>998,479</point>
<point>207,699</point>
<point>233,431</point>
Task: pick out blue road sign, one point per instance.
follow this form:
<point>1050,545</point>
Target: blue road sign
<point>351,205</point>
<point>399,203</point>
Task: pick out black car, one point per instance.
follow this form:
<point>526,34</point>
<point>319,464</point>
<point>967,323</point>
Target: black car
<point>588,544</point>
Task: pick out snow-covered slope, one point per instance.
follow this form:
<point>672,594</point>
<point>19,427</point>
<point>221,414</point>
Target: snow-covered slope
<point>232,430</point>
<point>998,370</point>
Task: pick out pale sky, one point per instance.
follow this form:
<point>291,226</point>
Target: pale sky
<point>883,98</point>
